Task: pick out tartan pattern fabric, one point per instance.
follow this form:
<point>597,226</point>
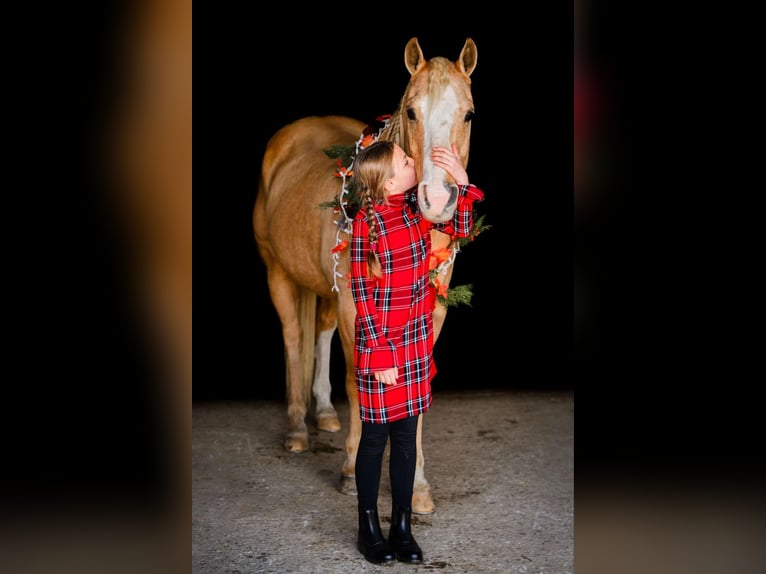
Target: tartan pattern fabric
<point>394,323</point>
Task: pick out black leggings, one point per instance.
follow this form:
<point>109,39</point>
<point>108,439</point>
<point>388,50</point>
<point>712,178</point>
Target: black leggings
<point>401,468</point>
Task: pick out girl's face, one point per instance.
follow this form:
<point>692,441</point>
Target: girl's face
<point>404,173</point>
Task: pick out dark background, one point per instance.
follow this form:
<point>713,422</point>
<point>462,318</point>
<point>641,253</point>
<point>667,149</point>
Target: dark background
<point>673,260</point>
<point>518,331</point>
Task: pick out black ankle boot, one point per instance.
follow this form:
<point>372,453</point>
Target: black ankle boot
<point>371,542</point>
<point>400,538</point>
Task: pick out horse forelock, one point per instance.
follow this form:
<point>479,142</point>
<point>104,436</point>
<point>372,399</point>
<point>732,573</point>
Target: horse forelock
<point>439,72</point>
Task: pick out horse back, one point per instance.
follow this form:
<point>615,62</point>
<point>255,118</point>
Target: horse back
<point>291,227</point>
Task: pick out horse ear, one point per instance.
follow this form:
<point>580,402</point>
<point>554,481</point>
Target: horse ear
<point>413,56</point>
<point>467,61</point>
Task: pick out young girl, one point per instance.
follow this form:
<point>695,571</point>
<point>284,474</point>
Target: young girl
<point>393,350</point>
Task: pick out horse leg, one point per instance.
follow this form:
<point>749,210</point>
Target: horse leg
<point>326,323</point>
<point>346,315</point>
<point>422,500</point>
<point>284,296</point>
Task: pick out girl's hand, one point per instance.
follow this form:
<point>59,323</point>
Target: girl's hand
<point>387,377</point>
<point>449,161</point>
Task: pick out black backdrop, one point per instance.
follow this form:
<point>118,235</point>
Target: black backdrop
<point>518,331</point>
<point>670,312</point>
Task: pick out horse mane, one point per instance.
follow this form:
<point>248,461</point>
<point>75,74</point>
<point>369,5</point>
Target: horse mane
<point>392,132</point>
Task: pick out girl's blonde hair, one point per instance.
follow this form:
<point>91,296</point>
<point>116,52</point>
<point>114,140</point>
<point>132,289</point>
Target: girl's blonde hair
<point>372,167</point>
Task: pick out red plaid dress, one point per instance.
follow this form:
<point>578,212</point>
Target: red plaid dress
<point>394,323</point>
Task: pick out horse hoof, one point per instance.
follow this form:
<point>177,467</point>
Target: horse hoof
<point>328,421</point>
<point>297,442</point>
<point>347,485</point>
<point>422,503</point>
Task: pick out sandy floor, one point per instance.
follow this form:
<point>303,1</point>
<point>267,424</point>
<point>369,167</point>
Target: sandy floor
<point>500,465</point>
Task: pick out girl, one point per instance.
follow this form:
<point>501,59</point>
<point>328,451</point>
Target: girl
<point>393,350</point>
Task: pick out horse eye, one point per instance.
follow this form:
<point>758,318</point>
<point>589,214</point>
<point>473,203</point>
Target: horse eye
<point>411,114</point>
<point>469,116</point>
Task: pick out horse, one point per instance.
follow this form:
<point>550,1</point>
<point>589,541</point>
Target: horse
<point>297,237</point>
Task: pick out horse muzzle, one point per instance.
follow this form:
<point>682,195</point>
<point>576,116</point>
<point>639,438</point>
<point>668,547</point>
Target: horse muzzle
<point>437,202</point>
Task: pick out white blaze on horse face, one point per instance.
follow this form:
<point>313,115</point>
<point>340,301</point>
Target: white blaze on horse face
<point>437,193</point>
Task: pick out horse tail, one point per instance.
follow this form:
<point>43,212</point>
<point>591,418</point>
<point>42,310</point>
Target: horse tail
<point>307,311</point>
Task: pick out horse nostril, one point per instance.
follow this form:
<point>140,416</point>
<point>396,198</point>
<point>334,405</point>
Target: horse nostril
<point>452,195</point>
<point>425,196</point>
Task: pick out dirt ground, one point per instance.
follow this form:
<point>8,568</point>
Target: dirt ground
<point>500,464</point>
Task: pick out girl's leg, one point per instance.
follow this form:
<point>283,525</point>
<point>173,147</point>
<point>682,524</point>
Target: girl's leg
<point>402,471</point>
<point>369,458</point>
<point>401,465</point>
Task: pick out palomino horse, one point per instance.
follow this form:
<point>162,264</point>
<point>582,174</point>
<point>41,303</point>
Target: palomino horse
<point>297,237</point>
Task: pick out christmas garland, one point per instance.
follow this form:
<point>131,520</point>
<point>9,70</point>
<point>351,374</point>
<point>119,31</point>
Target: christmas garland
<point>347,203</point>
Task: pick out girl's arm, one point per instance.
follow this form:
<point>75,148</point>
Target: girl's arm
<point>378,351</point>
<point>462,222</point>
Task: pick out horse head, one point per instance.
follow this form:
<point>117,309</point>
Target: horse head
<point>436,110</point>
